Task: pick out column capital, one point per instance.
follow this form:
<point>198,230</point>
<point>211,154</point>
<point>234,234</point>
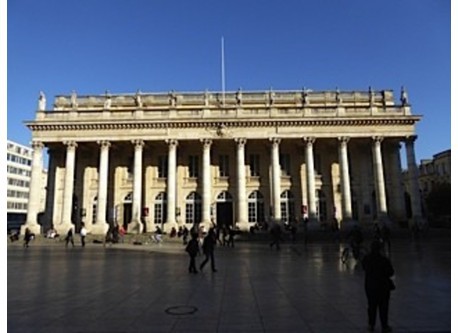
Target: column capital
<point>240,142</point>
<point>37,145</point>
<point>206,142</point>
<point>309,140</point>
<point>70,144</point>
<point>171,142</point>
<point>343,139</point>
<point>377,139</point>
<point>138,143</point>
<point>275,141</point>
<point>410,139</point>
<point>104,143</point>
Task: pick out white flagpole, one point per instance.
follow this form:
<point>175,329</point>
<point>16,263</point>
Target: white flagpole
<point>223,85</point>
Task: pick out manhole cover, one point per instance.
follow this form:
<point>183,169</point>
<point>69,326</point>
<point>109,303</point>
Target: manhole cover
<point>181,310</point>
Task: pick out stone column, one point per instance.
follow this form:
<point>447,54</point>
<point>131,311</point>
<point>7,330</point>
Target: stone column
<point>171,184</point>
<point>311,189</point>
<point>417,216</point>
<point>136,224</point>
<point>33,207</point>
<point>67,202</point>
<point>206,183</point>
<point>242,204</point>
<point>345,179</point>
<point>379,179</point>
<point>101,225</point>
<point>397,191</point>
<point>276,185</point>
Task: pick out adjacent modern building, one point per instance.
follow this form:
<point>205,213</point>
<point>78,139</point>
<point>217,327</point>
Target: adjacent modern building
<point>239,158</point>
<point>18,173</point>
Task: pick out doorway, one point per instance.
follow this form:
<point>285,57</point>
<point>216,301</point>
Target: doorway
<point>224,215</point>
<point>127,214</point>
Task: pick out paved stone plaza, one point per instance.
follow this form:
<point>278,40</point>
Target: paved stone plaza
<point>147,288</point>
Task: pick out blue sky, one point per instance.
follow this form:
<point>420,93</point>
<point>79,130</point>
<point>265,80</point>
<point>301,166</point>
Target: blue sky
<point>91,46</point>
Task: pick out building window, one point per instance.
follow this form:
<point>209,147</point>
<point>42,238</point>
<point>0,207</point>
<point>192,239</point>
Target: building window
<point>255,207</point>
<point>287,206</point>
<point>163,164</point>
<point>285,164</point>
<point>254,165</point>
<point>223,165</point>
<point>94,210</point>
<point>193,208</point>
<point>160,208</point>
<point>193,166</point>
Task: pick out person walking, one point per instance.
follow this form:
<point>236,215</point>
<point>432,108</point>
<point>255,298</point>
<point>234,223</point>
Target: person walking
<point>83,233</point>
<point>27,237</point>
<point>208,248</point>
<point>69,238</point>
<point>193,250</point>
<point>378,285</point>
<point>276,236</point>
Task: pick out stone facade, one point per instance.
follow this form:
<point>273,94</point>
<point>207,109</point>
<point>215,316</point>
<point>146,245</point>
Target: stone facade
<point>167,159</point>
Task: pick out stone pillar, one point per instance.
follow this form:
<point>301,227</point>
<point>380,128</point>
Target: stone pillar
<point>206,183</point>
<point>311,189</point>
<point>33,207</point>
<point>171,185</point>
<point>345,179</point>
<point>397,191</point>
<point>417,216</point>
<point>136,225</point>
<point>276,185</point>
<point>67,202</point>
<point>101,225</point>
<point>379,179</point>
<point>242,203</point>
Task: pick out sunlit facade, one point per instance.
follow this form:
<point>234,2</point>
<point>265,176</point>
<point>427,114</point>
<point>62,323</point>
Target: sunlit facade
<point>239,158</point>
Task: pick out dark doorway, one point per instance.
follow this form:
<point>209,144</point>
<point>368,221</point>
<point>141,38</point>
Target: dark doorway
<point>224,215</point>
<point>127,214</point>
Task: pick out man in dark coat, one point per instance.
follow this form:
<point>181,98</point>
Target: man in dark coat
<point>378,285</point>
<point>208,248</point>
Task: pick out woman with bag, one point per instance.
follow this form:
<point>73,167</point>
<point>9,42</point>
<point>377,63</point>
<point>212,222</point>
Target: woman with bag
<point>378,285</point>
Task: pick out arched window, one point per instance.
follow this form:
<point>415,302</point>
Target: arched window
<point>255,207</point>
<point>94,210</point>
<point>160,208</point>
<point>193,208</point>
<point>287,206</point>
<point>128,198</point>
<point>224,196</point>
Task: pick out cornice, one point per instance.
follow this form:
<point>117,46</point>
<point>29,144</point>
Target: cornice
<point>120,125</point>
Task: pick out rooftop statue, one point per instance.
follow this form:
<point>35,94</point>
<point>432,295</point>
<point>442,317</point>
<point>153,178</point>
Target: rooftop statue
<point>73,102</point>
<point>238,96</point>
<point>42,101</point>
<point>138,99</point>
<point>107,103</point>
<point>404,97</point>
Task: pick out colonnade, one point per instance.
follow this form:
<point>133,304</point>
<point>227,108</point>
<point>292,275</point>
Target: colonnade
<point>135,225</point>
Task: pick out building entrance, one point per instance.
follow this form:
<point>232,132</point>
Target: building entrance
<point>224,216</point>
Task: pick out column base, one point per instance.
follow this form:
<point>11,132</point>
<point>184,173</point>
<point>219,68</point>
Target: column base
<point>169,225</point>
<point>100,228</point>
<point>35,228</point>
<point>63,228</point>
<point>416,222</point>
<point>135,227</point>
<point>243,226</point>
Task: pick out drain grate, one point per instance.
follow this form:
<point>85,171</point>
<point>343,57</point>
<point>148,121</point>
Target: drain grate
<point>181,310</point>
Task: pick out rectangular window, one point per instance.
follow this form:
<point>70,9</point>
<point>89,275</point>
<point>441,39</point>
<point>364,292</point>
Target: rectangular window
<point>193,166</point>
<point>254,165</point>
<point>285,164</point>
<point>223,165</point>
<point>163,164</point>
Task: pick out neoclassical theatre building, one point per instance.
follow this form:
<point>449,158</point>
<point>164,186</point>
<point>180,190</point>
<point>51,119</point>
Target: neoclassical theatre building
<point>170,159</point>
